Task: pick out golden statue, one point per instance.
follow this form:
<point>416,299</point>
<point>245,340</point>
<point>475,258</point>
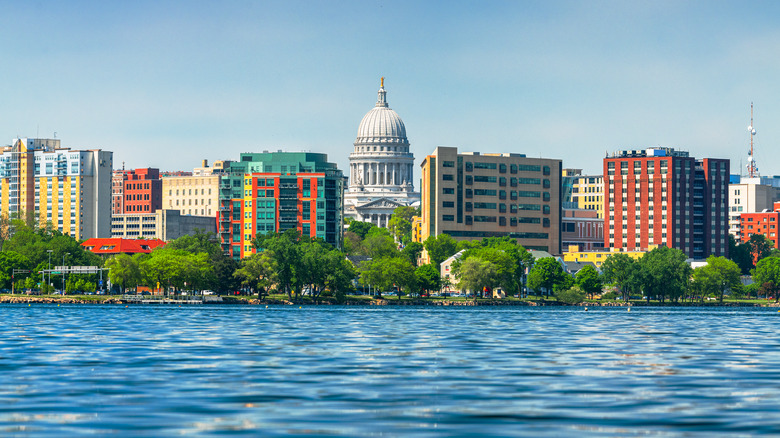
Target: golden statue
<point>382,83</point>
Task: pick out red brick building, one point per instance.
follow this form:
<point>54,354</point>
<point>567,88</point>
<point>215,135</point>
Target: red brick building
<point>665,197</point>
<point>761,223</point>
<point>142,191</point>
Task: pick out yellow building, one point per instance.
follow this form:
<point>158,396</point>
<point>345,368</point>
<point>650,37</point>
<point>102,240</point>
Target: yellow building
<point>588,193</point>
<point>417,229</point>
<point>597,257</point>
<point>71,189</point>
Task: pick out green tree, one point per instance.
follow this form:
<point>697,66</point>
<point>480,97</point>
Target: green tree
<point>400,223</point>
<point>10,260</point>
<point>285,252</point>
<point>759,247</point>
<point>257,272</point>
<point>619,269</point>
<point>740,254</point>
<point>477,275</point>
<point>440,248</point>
<point>360,229</point>
<point>379,243</point>
<point>428,278</point>
<point>572,295</point>
<point>547,274</point>
<point>412,251</point>
<point>509,259</point>
<point>726,272</point>
<point>767,275</point>
<point>387,273</point>
<point>664,272</point>
<point>589,280</point>
<point>124,270</point>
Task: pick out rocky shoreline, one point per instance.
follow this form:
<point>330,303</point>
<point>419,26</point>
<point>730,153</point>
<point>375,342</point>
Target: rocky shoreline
<point>27,299</point>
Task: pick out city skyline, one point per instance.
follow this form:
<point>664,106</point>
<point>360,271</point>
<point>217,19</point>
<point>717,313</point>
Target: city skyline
<point>569,80</point>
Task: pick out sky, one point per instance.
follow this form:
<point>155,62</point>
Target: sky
<point>167,84</point>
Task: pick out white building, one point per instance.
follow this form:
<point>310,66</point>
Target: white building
<point>381,167</point>
<point>751,195</point>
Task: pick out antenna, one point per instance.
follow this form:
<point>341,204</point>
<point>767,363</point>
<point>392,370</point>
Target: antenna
<point>752,166</point>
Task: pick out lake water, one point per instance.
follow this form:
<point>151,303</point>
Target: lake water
<point>387,371</point>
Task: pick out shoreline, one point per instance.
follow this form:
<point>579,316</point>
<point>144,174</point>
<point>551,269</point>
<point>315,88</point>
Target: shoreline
<point>31,299</point>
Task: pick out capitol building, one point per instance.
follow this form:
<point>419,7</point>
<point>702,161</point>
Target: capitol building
<point>380,167</point>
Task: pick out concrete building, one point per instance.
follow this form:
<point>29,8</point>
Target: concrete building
<point>162,224</point>
<point>69,188</point>
<point>194,193</point>
<point>471,196</point>
<point>381,167</point>
<point>665,197</point>
<point>750,195</point>
<point>582,228</point>
<point>275,191</point>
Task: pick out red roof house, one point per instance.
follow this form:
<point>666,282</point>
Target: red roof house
<point>117,245</point>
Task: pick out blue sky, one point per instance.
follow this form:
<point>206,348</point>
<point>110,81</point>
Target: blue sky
<point>166,84</point>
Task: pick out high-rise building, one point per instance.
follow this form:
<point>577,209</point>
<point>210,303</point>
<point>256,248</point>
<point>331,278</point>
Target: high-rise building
<point>660,196</point>
<point>273,192</point>
<point>142,191</point>
<point>69,188</point>
<point>472,195</point>
<point>381,167</point>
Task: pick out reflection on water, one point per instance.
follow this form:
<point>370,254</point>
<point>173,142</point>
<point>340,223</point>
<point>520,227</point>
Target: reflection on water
<point>168,371</point>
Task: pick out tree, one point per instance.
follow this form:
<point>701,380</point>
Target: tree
<point>509,258</point>
<point>589,280</point>
<point>477,275</point>
<point>220,277</point>
<point>10,260</point>
<point>759,247</point>
<point>664,271</point>
<point>360,229</point>
<point>725,272</point>
<point>740,254</point>
<point>400,223</point>
<point>547,274</point>
<point>388,272</point>
<point>378,244</point>
<point>285,252</point>
<point>412,251</point>
<point>440,248</point>
<point>428,278</point>
<point>124,270</point>
<point>767,275</point>
<point>257,272</point>
<point>572,295</point>
<point>619,269</point>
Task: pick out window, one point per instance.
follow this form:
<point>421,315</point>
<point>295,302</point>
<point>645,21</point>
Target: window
<point>448,218</point>
<point>448,191</point>
<point>447,177</point>
<point>448,204</point>
<point>447,164</point>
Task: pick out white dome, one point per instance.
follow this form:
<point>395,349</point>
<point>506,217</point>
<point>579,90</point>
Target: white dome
<point>381,125</point>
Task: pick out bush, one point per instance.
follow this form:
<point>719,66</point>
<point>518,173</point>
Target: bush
<point>572,295</point>
<point>609,296</point>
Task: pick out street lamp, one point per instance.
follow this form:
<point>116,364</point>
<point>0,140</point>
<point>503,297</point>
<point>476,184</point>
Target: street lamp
<point>63,272</point>
<point>49,269</point>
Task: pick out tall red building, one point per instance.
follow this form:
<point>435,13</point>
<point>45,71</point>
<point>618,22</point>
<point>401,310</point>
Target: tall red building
<point>665,197</point>
<point>765,223</point>
<point>141,191</point>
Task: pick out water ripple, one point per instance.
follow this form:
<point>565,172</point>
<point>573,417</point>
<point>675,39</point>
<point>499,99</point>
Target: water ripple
<point>345,371</point>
